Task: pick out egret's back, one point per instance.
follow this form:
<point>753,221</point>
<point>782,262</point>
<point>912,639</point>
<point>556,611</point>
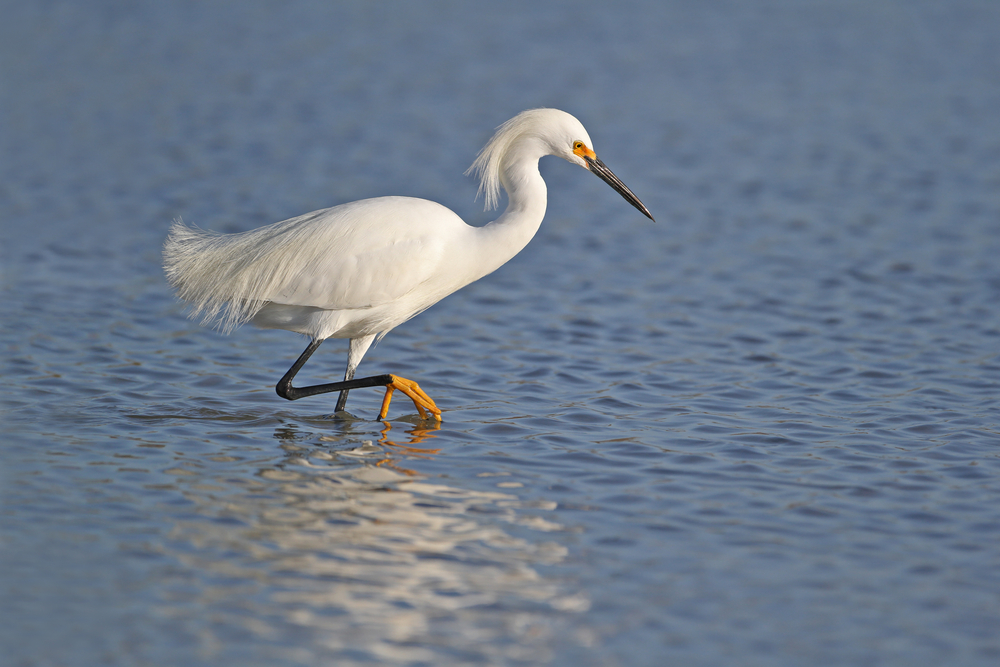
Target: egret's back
<point>355,256</point>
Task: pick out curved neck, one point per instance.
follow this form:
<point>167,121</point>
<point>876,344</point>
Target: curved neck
<point>506,236</point>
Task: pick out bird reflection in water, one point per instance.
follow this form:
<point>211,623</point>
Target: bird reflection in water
<point>424,430</point>
<point>392,445</point>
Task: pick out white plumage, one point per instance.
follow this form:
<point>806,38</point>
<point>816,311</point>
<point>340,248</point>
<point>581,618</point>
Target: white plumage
<point>360,269</point>
<point>351,263</point>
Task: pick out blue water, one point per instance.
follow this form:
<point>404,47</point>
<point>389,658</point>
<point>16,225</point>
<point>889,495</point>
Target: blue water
<point>764,430</point>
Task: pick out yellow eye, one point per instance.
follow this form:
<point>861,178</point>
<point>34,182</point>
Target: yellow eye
<point>580,150</point>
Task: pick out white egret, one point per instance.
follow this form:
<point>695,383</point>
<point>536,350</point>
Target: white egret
<point>358,270</point>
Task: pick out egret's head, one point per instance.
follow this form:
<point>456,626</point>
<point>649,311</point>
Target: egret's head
<point>537,132</point>
<point>563,135</point>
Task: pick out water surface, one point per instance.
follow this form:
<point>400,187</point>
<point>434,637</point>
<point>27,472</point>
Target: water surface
<point>761,431</point>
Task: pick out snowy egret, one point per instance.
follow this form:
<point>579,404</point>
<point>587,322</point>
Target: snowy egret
<point>358,270</point>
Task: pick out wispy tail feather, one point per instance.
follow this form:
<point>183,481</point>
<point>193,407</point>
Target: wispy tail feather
<point>210,271</point>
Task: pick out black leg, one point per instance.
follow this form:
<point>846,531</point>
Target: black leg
<point>342,399</point>
<point>286,390</point>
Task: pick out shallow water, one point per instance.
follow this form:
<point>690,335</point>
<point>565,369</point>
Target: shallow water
<point>763,430</point>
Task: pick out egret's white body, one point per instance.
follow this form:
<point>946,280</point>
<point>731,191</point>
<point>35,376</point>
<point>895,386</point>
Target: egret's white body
<point>360,269</point>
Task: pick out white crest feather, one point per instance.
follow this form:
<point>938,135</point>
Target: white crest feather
<point>487,166</point>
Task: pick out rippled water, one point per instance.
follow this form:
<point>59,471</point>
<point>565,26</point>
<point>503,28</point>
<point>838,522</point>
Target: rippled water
<point>761,431</point>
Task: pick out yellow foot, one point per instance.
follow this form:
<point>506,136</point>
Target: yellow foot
<point>412,389</point>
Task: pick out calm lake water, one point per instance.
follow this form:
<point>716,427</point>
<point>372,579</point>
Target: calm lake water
<point>764,430</point>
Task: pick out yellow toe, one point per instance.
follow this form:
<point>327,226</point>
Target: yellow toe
<point>421,400</point>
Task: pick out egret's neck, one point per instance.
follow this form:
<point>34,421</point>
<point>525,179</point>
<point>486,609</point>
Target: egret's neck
<point>506,236</point>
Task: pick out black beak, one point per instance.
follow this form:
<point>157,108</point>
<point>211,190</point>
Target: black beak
<point>606,175</point>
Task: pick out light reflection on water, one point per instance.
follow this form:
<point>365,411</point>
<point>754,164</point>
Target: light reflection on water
<point>366,559</point>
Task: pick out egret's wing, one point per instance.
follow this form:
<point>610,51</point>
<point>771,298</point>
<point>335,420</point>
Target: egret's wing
<point>362,271</point>
<point>352,256</point>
